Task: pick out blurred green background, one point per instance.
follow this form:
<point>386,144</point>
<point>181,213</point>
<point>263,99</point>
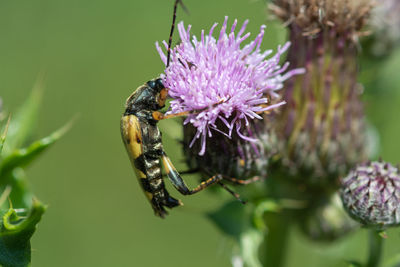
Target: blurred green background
<point>94,54</point>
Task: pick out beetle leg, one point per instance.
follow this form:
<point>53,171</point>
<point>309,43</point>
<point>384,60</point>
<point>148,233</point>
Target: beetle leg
<point>178,182</point>
<point>180,114</point>
<point>157,115</point>
<point>180,185</point>
<point>238,182</point>
<point>233,193</point>
<point>242,181</point>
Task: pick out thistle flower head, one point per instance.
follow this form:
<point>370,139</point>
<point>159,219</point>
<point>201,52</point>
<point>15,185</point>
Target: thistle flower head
<point>371,194</point>
<point>218,81</point>
<point>344,16</point>
<point>321,131</point>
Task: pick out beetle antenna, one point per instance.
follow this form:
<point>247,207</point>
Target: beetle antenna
<point>173,27</point>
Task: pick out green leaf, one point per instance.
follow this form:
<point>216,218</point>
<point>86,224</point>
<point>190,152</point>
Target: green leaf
<point>24,120</point>
<point>4,195</point>
<point>20,194</point>
<point>15,233</point>
<point>234,219</point>
<point>4,134</point>
<point>22,157</point>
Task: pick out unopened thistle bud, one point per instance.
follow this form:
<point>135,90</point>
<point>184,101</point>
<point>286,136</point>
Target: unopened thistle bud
<point>226,89</point>
<point>371,194</point>
<point>321,131</point>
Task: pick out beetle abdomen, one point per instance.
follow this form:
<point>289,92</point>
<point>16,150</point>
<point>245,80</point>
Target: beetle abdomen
<point>144,147</point>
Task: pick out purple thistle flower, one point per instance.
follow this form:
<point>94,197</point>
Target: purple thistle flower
<point>217,80</point>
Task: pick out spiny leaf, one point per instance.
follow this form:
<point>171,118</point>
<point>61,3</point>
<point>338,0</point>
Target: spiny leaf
<point>4,134</point>
<point>22,157</point>
<point>20,194</point>
<point>24,120</point>
<point>15,233</point>
<point>4,195</point>
<point>13,223</point>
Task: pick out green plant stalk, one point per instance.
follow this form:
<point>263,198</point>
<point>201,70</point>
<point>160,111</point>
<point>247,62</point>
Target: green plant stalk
<point>375,248</point>
<point>276,237</point>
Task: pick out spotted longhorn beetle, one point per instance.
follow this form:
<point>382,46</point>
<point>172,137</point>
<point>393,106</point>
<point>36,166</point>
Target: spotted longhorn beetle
<point>142,139</point>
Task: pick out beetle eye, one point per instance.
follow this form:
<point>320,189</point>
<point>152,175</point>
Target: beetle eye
<point>151,83</point>
<point>159,84</point>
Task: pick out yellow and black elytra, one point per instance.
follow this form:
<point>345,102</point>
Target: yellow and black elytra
<point>142,140</point>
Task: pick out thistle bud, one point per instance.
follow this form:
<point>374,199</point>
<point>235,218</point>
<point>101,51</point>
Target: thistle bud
<point>321,131</point>
<point>371,194</point>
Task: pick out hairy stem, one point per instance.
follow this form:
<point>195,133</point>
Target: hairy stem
<point>375,248</point>
<point>276,239</point>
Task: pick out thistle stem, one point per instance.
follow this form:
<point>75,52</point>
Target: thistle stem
<point>276,239</point>
<point>375,248</point>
